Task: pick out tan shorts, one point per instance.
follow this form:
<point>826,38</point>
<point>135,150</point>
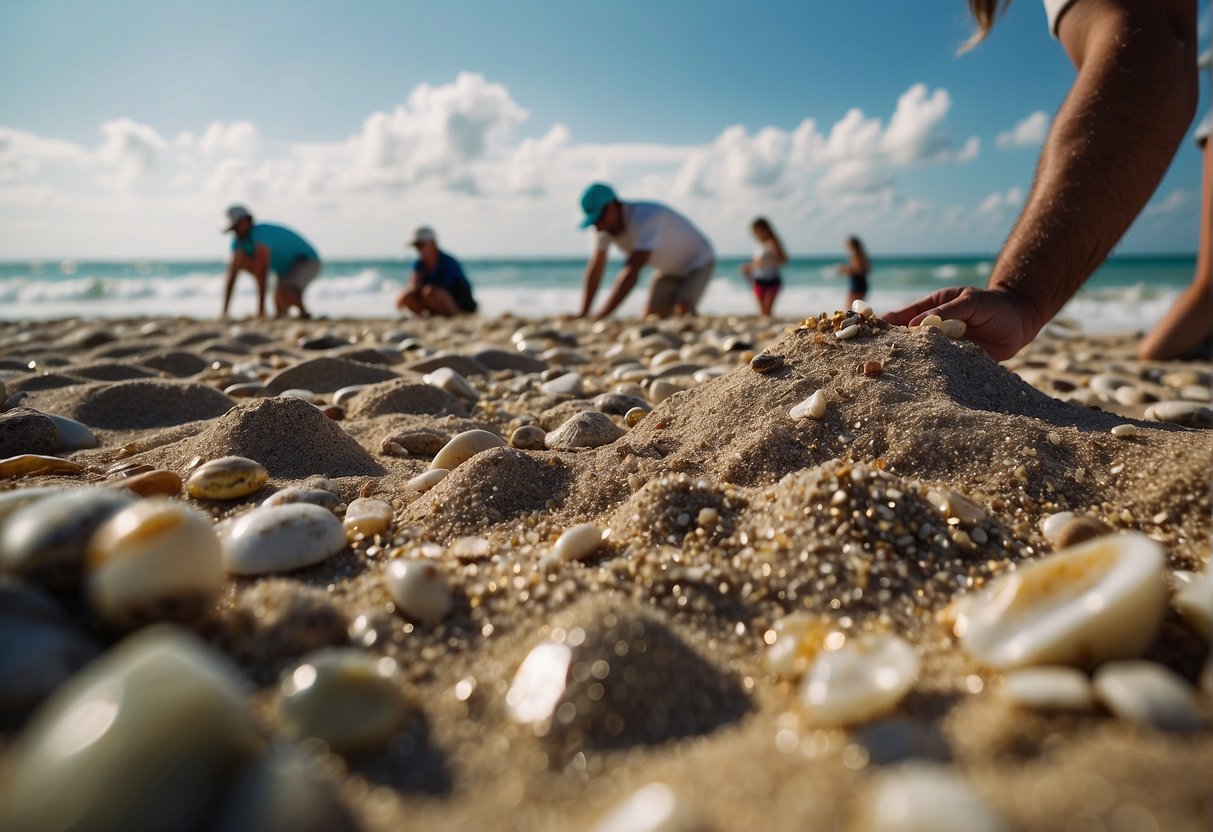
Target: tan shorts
<point>300,275</point>
<point>671,290</point>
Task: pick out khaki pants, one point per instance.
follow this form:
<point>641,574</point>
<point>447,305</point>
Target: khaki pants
<point>670,290</point>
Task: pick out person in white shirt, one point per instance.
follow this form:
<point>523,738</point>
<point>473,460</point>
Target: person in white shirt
<point>764,271</point>
<point>1109,146</point>
<point>650,234</point>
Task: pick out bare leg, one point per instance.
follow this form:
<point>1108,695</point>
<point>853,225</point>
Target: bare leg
<point>286,296</point>
<point>1189,322</point>
<point>766,303</point>
<point>852,297</point>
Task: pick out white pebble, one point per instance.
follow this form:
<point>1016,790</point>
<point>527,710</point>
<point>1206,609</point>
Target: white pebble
<point>814,407</point>
<point>1125,430</point>
<point>463,447</point>
<point>569,384</point>
<point>847,332</point>
<point>424,482</point>
<point>280,539</point>
<point>864,678</point>
<point>444,378</point>
<point>1148,693</point>
<point>367,517</point>
<point>919,797</point>
<point>1051,525</point>
<point>419,588</point>
<point>1194,600</point>
<point>578,543</point>
<point>861,308</point>
<point>653,808</point>
<point>539,683</point>
<point>1048,689</point>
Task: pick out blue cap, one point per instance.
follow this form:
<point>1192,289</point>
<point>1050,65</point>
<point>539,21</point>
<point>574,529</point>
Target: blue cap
<point>596,197</point>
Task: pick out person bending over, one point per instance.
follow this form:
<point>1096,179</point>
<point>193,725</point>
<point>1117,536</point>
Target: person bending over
<point>261,248</point>
<point>437,285</point>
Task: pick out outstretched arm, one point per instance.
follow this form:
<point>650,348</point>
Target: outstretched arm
<point>625,281</point>
<point>1109,147</point>
<point>233,269</point>
<point>260,268</point>
<point>593,276</point>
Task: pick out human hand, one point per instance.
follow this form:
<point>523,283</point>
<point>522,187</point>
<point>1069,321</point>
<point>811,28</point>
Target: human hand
<point>998,321</point>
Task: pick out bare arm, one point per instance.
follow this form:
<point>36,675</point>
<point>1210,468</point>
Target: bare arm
<point>1109,147</point>
<point>233,268</point>
<point>625,281</point>
<point>593,277</point>
<point>260,268</point>
<point>411,285</point>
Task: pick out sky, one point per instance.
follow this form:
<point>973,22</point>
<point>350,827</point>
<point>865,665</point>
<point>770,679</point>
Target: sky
<point>127,128</point>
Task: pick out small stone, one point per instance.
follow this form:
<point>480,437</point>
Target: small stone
<point>814,407</point>
<point>1048,689</point>
<point>847,332</point>
<point>420,589</point>
<point>918,797</point>
<point>578,542</point>
<point>463,447</point>
<point>367,517</point>
<point>226,478</point>
<point>634,416</point>
<point>953,328</point>
<point>280,539</point>
<point>1148,693</point>
<point>766,362</point>
<point>932,321</point>
<point>589,429</point>
<point>864,678</point>
<point>1125,431</point>
<point>424,482</point>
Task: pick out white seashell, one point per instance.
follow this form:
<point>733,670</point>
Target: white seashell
<point>864,678</point>
<point>280,538</point>
<point>588,429</point>
<point>1148,693</point>
<point>799,637</point>
<point>539,683</point>
<point>155,557</point>
<point>861,309</point>
<point>447,379</point>
<point>653,808</point>
<point>347,698</point>
<point>1048,689</point>
<point>147,736</point>
<point>419,588</point>
<point>226,478</point>
<point>1194,600</point>
<point>1124,431</point>
<point>1100,600</point>
<point>367,517</point>
<point>919,797</point>
<point>578,542</point>
<point>424,482</point>
<point>343,395</point>
<point>1051,525</point>
<point>464,446</point>
<point>1191,414</point>
<point>931,321</point>
<point>814,407</point>
<point>954,328</point>
<point>847,332</point>
<point>569,384</point>
<point>73,435</point>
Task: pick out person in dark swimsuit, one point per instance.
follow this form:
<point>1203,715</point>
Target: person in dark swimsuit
<point>856,269</point>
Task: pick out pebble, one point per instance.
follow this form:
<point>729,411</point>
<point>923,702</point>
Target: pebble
<point>343,395</point>
<point>847,332</point>
<point>463,447</point>
<point>155,559</point>
<point>1125,431</point>
<point>226,478</point>
<point>297,494</point>
<point>798,638</point>
<point>347,698</point>
<point>661,389</point>
<point>569,384</point>
<point>155,483</point>
<point>634,416</point>
<point>654,808</point>
<point>15,498</point>
<point>367,517</point>
<point>424,482</point>
<point>1148,693</point>
<point>24,430</point>
<point>862,309</point>
<point>619,404</point>
<point>280,539</point>
<point>300,393</point>
<point>954,328</point>
<point>444,378</point>
<point>1101,600</point>
<point>1194,600</point>
<point>920,797</point>
<point>578,542</point>
<point>147,736</point>
<point>246,390</point>
<point>766,362</point>
<point>24,465</point>
<point>419,588</point>
<point>420,442</point>
<point>589,429</point>
<point>528,438</point>
<point>931,321</point>
<point>73,435</point>
<point>1188,414</point>
<point>866,677</point>
<point>814,407</point>
<point>1056,688</point>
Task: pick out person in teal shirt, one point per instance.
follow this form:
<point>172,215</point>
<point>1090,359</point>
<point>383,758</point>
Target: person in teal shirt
<point>260,248</point>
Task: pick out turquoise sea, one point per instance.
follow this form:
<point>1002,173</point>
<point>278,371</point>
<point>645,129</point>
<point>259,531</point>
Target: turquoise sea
<point>1126,294</point>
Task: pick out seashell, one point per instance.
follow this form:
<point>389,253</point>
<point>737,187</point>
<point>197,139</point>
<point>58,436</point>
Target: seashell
<point>864,678</point>
<point>578,542</point>
<point>1148,693</point>
<point>424,482</point>
<point>569,384</point>
<point>463,447</point>
<point>1052,524</point>
<point>147,736</point>
<point>1097,601</point>
<point>226,478</point>
<point>528,438</point>
<point>23,465</point>
<point>1194,600</point>
<point>539,683</point>
<point>847,332</point>
<point>154,483</point>
<point>1079,530</point>
<point>419,588</point>
<point>799,637</point>
<point>296,494</point>
<point>45,541</point>
<point>346,698</point>
<point>654,808</point>
<point>931,321</point>
<point>73,435</point>
<point>814,407</point>
<point>280,539</point>
<point>1048,689</point>
<point>589,429</point>
<point>634,416</point>
<point>861,309</point>
<point>155,559</point>
<point>920,797</point>
<point>766,362</point>
<point>953,328</point>
<point>342,396</point>
<point>1189,414</point>
<point>444,378</point>
<point>367,517</point>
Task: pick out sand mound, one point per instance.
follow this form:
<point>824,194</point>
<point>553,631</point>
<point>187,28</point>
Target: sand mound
<point>290,437</point>
<point>463,365</point>
<point>108,371</point>
<point>403,396</point>
<point>324,375</point>
<point>178,364</point>
<point>144,404</point>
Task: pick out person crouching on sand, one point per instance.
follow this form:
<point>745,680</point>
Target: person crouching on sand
<point>856,269</point>
<point>437,285</point>
<point>260,248</point>
<point>763,271</point>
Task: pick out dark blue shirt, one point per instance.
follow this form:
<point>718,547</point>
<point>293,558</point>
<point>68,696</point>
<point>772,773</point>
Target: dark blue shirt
<point>448,274</point>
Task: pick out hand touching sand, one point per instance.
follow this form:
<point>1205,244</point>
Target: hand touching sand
<point>999,321</point>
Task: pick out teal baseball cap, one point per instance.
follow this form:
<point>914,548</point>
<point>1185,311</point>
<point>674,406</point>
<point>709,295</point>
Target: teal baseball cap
<point>595,198</point>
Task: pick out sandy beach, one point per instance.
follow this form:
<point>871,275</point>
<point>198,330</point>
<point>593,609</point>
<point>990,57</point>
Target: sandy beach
<point>547,683</point>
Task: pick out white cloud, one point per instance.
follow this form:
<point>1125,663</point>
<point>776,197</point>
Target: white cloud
<point>24,155</point>
<point>995,203</point>
<point>1176,202</point>
<point>128,152</point>
<point>1030,132</point>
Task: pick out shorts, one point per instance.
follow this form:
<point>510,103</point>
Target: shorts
<point>298,276</point>
<point>461,293</point>
<point>859,285</point>
<point>671,290</point>
<point>767,285</point>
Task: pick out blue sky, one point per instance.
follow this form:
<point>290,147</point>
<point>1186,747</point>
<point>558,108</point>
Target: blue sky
<point>126,128</point>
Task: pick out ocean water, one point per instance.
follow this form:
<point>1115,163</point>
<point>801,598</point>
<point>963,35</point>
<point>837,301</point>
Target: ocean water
<point>1126,294</point>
